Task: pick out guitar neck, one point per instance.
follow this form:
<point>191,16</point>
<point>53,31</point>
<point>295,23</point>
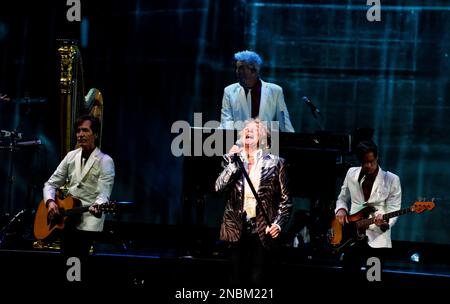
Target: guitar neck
<point>386,216</point>
<point>76,210</point>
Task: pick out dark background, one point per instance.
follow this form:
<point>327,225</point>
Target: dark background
<point>157,62</point>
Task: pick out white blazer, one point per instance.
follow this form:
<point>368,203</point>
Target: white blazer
<point>236,108</point>
<point>92,184</point>
<point>386,196</point>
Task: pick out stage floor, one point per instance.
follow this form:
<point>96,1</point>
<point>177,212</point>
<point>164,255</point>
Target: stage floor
<point>163,261</point>
<point>164,272</point>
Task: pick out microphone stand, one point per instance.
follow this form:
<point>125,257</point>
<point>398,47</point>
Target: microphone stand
<point>238,160</point>
<point>14,146</point>
<point>320,125</point>
<point>314,111</point>
<point>4,230</point>
<point>316,118</point>
<point>11,179</point>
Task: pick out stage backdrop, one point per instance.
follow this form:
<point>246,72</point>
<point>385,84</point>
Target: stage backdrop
<point>157,63</point>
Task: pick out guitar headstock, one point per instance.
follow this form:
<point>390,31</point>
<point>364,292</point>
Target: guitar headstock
<point>419,207</point>
<point>108,207</point>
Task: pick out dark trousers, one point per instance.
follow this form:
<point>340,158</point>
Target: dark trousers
<point>76,243</point>
<point>357,256</point>
<point>251,261</point>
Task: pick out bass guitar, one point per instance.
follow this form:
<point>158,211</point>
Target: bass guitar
<point>341,236</point>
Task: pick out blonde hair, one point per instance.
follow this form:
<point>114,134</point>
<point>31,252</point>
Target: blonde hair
<point>263,132</point>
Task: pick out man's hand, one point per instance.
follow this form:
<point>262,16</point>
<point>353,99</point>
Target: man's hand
<point>234,150</point>
<point>273,230</point>
<point>341,216</point>
<point>53,210</point>
<point>95,210</point>
<point>380,222</point>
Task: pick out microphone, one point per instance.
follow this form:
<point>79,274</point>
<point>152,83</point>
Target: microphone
<point>233,157</point>
<point>239,143</point>
<point>312,107</point>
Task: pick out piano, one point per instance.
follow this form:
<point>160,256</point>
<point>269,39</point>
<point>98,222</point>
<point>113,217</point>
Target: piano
<point>314,162</point>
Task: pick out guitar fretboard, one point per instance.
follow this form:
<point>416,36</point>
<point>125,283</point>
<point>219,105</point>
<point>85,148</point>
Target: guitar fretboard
<point>387,216</point>
<point>76,210</point>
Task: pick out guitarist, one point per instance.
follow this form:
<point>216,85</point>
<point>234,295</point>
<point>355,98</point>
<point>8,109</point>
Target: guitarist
<point>90,175</point>
<point>364,186</point>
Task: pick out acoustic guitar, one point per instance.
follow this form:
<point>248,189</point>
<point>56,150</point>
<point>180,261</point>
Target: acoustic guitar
<point>341,236</point>
<point>70,209</point>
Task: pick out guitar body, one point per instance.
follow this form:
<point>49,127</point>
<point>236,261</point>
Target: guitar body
<point>43,226</point>
<point>340,236</point>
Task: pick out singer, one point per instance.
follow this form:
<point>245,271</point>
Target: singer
<point>244,225</point>
<point>251,97</point>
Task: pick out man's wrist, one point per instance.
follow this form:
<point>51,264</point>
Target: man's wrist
<point>278,226</point>
<point>385,227</point>
<point>340,210</point>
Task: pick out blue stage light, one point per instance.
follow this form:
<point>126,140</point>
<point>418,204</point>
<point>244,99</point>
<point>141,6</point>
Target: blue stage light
<point>415,257</point>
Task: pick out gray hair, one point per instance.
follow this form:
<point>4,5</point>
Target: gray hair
<point>249,57</point>
<point>264,134</point>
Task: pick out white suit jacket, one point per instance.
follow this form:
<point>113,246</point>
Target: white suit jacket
<point>236,108</point>
<point>386,196</point>
<point>92,184</point>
